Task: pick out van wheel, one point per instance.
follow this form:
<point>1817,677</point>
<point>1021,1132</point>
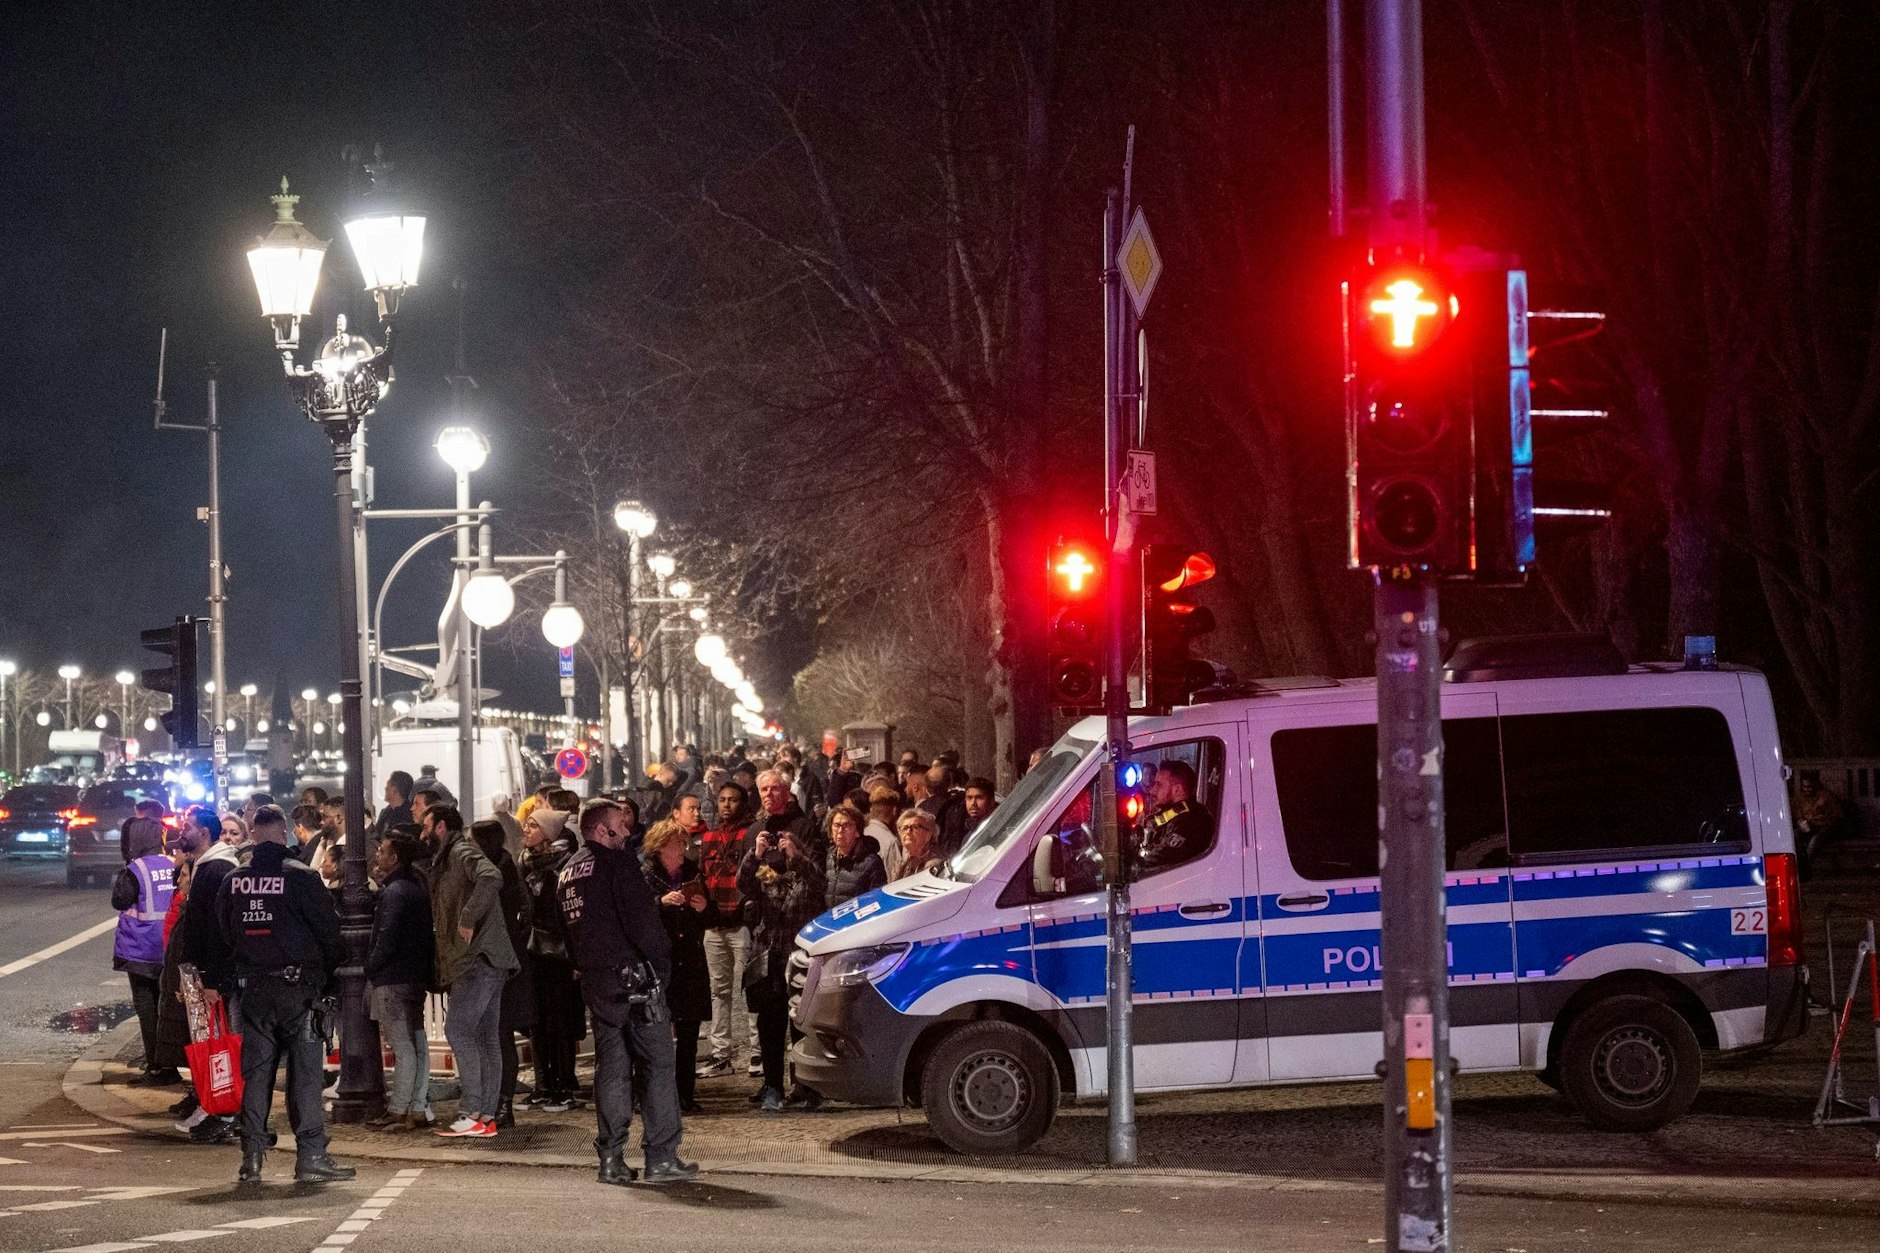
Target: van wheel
<point>1630,1064</point>
<point>989,1087</point>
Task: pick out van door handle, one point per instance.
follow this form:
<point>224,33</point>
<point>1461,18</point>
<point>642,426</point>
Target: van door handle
<point>1304,904</point>
<point>1203,910</point>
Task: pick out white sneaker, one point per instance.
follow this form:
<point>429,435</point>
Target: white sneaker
<point>464,1126</point>
<point>193,1121</point>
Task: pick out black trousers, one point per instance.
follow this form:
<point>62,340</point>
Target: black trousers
<point>276,1022</point>
<point>145,990</point>
<point>685,1058</point>
<point>773,1038</point>
<point>620,1052</point>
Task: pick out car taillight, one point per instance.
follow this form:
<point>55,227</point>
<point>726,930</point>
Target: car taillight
<point>1785,909</point>
<point>5,813</point>
<point>82,820</point>
<point>68,814</point>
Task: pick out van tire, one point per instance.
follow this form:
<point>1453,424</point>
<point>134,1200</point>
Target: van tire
<point>989,1087</point>
<point>1630,1063</point>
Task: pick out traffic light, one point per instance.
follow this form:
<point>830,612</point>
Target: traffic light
<point>1171,620</point>
<point>177,680</point>
<point>1074,577</point>
<point>1526,390</point>
<point>1118,850</point>
<point>1408,418</point>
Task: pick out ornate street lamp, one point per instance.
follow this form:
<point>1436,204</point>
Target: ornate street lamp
<point>638,523</point>
<point>338,392</point>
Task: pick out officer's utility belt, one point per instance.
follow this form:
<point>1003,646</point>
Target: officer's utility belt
<point>286,974</point>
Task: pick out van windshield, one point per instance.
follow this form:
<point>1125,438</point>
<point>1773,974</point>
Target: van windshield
<point>1017,812</point>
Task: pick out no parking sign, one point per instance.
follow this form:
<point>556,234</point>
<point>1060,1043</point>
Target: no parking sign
<point>571,763</point>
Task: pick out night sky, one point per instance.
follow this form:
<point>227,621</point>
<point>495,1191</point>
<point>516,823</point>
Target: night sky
<point>141,143</point>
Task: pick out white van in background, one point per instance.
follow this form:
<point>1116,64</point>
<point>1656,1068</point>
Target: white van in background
<point>498,762</point>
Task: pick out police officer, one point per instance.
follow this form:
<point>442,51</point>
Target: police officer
<point>1178,828</point>
<point>283,931</point>
<point>614,924</point>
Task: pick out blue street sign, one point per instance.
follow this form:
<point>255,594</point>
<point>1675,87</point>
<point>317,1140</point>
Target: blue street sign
<point>567,663</point>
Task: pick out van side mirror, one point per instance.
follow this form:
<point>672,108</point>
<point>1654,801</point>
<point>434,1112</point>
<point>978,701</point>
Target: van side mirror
<point>1043,881</point>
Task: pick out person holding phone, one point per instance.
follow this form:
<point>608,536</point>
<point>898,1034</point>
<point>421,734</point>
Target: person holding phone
<point>685,910</point>
<point>783,887</point>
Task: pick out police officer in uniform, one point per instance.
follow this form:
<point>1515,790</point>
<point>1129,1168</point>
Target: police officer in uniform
<point>613,924</point>
<point>1178,828</point>
<point>283,932</point>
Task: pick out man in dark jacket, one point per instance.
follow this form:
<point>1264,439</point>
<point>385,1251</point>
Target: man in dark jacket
<point>614,926</point>
<point>281,926</point>
<point>475,958</point>
<point>947,804</point>
<point>782,813</point>
<point>397,811</point>
<point>401,961</point>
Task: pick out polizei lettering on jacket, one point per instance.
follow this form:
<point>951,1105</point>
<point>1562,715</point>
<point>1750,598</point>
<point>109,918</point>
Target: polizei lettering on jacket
<point>258,907</point>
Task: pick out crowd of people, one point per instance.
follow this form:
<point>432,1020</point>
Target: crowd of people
<point>661,920</point>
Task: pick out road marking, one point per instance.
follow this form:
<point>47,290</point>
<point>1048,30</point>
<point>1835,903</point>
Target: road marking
<point>54,1126</point>
<point>14,1161</point>
<point>53,950</point>
<point>260,1224</point>
<point>66,1135</point>
<point>363,1217</point>
<point>89,1148</point>
<point>39,1187</point>
<point>187,1235</point>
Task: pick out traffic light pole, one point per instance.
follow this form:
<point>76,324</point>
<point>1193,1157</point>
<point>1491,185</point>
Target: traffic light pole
<point>218,600</point>
<point>1417,1167</point>
<point>1120,977</point>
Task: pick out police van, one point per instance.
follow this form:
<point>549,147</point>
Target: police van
<point>1621,898</point>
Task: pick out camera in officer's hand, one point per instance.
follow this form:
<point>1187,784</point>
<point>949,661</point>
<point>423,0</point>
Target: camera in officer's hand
<point>646,996</point>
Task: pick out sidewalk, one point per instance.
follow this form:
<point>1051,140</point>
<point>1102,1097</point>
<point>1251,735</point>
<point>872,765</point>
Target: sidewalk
<point>1746,1143</point>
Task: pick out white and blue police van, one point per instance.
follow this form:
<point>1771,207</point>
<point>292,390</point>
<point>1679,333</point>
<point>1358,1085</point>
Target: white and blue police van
<point>1621,898</point>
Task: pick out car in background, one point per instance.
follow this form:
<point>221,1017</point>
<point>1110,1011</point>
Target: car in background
<point>94,849</point>
<point>33,817</point>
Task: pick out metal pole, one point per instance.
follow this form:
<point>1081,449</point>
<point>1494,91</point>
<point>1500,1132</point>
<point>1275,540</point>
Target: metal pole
<point>1335,110</point>
<point>607,724</point>
<point>635,763</point>
<point>368,641</point>
<point>361,1069</point>
<point>6,728</point>
<point>466,677</point>
<point>218,600</point>
<point>1414,965</point>
<point>1120,981</point>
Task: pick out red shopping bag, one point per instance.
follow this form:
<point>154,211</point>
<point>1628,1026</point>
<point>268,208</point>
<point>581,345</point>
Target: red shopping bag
<point>215,1065</point>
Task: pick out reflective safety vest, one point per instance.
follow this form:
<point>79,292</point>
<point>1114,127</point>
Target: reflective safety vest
<point>140,928</point>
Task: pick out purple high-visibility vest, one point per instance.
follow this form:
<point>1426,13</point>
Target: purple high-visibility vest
<point>140,928</point>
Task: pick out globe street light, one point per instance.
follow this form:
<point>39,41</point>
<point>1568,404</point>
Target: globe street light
<point>661,564</point>
<point>338,392</point>
<point>709,649</point>
<point>638,523</point>
<point>488,600</point>
<point>681,589</point>
<point>249,691</point>
<point>68,673</point>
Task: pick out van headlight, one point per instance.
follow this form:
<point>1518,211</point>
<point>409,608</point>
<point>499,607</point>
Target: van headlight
<point>856,966</point>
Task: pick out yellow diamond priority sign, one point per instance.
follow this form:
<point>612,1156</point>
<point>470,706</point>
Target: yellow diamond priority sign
<point>1139,262</point>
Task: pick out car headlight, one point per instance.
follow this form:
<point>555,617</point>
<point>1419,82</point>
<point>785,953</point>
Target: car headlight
<point>195,791</point>
<point>856,966</point>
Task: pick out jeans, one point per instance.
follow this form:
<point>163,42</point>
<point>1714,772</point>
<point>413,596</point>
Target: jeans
<point>733,1036</point>
<point>558,1017</point>
<point>145,990</point>
<point>620,1051</point>
<point>473,1025</point>
<point>399,1010</point>
<point>276,1021</point>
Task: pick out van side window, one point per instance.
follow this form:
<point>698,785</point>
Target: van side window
<point>1327,783</point>
<point>1181,789</point>
<point>1621,779</point>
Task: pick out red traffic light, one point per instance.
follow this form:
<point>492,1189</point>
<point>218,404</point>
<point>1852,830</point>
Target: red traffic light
<point>1074,570</point>
<point>1196,568</point>
<point>1405,309</point>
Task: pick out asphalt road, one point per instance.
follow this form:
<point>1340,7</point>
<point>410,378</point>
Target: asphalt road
<point>72,1184</point>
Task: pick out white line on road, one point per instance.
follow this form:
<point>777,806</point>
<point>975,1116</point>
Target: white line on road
<point>60,1144</point>
<point>67,1135</point>
<point>187,1235</point>
<point>53,950</point>
<point>367,1214</point>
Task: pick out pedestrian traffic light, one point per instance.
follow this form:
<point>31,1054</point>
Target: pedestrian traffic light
<point>1527,390</point>
<point>1171,620</point>
<point>1408,418</point>
<point>1074,577</point>
<point>177,680</point>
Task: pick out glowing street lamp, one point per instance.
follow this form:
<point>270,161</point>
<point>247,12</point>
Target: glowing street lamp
<point>661,564</point>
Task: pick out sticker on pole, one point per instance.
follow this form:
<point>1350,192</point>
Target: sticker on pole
<point>1140,263</point>
<point>567,662</point>
<point>1139,482</point>
<point>571,763</point>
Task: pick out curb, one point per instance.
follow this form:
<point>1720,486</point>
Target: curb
<point>84,1086</point>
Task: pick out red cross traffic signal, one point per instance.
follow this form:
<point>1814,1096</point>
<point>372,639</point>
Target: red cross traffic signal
<point>1074,634</point>
<point>1408,418</point>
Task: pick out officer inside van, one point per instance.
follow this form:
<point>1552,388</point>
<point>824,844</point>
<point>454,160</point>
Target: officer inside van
<point>1178,828</point>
